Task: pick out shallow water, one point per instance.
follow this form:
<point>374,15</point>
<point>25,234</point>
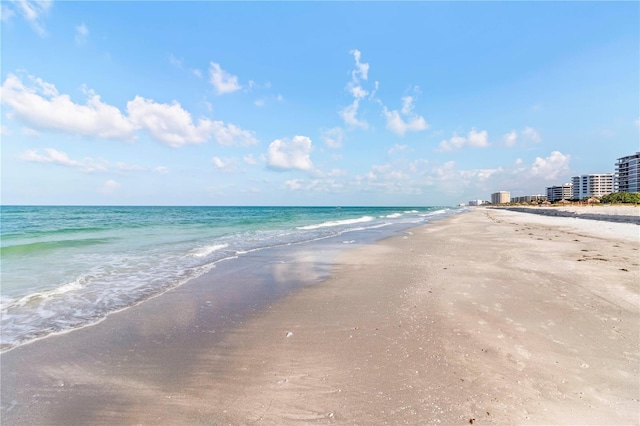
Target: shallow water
<point>66,267</point>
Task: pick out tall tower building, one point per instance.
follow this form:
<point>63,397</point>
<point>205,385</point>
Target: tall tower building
<point>627,177</point>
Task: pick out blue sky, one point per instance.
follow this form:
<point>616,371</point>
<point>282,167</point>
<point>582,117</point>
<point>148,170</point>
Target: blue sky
<point>416,103</point>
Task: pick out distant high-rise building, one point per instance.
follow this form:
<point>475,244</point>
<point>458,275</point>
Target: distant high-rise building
<point>593,185</point>
<point>500,197</point>
<point>561,192</point>
<point>627,177</point>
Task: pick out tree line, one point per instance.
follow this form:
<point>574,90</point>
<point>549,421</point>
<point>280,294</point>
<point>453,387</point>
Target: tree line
<point>621,198</point>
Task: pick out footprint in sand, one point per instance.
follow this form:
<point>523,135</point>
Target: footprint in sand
<point>522,351</point>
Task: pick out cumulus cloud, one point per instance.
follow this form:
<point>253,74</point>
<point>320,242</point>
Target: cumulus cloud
<point>528,135</point>
<point>289,155</point>
<point>400,126</point>
<point>4,130</point>
<point>86,165</point>
<point>173,125</point>
<point>552,167</point>
<point>221,80</point>
<point>473,139</point>
<point>637,122</point>
<point>39,105</point>
<point>82,34</point>
<point>405,120</point>
<point>333,137</point>
<point>510,138</point>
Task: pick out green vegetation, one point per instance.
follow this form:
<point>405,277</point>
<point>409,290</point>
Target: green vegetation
<point>621,198</point>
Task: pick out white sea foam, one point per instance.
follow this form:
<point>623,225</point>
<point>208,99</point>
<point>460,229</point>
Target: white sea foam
<point>433,213</point>
<point>337,223</point>
<point>207,250</point>
<point>393,216</point>
<point>57,291</point>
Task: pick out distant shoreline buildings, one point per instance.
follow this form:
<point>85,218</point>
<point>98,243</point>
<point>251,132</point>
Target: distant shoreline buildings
<point>583,187</point>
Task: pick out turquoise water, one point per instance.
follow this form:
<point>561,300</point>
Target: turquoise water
<point>66,267</point>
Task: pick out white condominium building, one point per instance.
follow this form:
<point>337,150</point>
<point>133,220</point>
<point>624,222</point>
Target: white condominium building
<point>500,197</point>
<point>593,185</point>
<point>562,192</point>
<point>627,178</point>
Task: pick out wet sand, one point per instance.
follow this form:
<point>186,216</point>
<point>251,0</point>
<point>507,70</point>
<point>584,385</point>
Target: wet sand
<point>488,317</point>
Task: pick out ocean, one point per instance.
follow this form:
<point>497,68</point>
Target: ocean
<point>67,267</point>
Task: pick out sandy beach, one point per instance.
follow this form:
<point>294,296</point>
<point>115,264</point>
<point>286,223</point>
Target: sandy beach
<point>486,317</point>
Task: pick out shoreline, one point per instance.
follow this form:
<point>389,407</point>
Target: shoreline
<point>427,327</point>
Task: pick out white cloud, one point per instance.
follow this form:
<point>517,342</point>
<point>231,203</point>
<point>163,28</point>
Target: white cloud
<point>249,159</point>
<point>222,81</point>
<point>478,139</point>
<point>531,134</point>
<point>259,102</point>
<point>82,34</point>
<point>86,165</point>
<point>197,72</point>
<point>399,126</point>
<point>349,113</point>
<point>288,155</point>
<point>41,106</point>
<point>637,122</point>
<point>552,167</point>
<point>362,69</point>
<point>333,137</point>
<point>109,187</point>
<point>510,138</point>
<point>397,148</point>
<point>33,11</point>
<point>528,135</point>
<point>230,134</point>
<point>407,105</point>
<point>412,121</point>
<point>173,126</point>
<point>293,184</point>
<point>4,130</point>
<point>473,139</point>
<point>227,164</point>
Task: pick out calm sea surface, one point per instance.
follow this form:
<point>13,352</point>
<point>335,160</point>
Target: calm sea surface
<point>66,267</point>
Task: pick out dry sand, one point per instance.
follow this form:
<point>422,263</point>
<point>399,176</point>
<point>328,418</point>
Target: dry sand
<point>488,317</point>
